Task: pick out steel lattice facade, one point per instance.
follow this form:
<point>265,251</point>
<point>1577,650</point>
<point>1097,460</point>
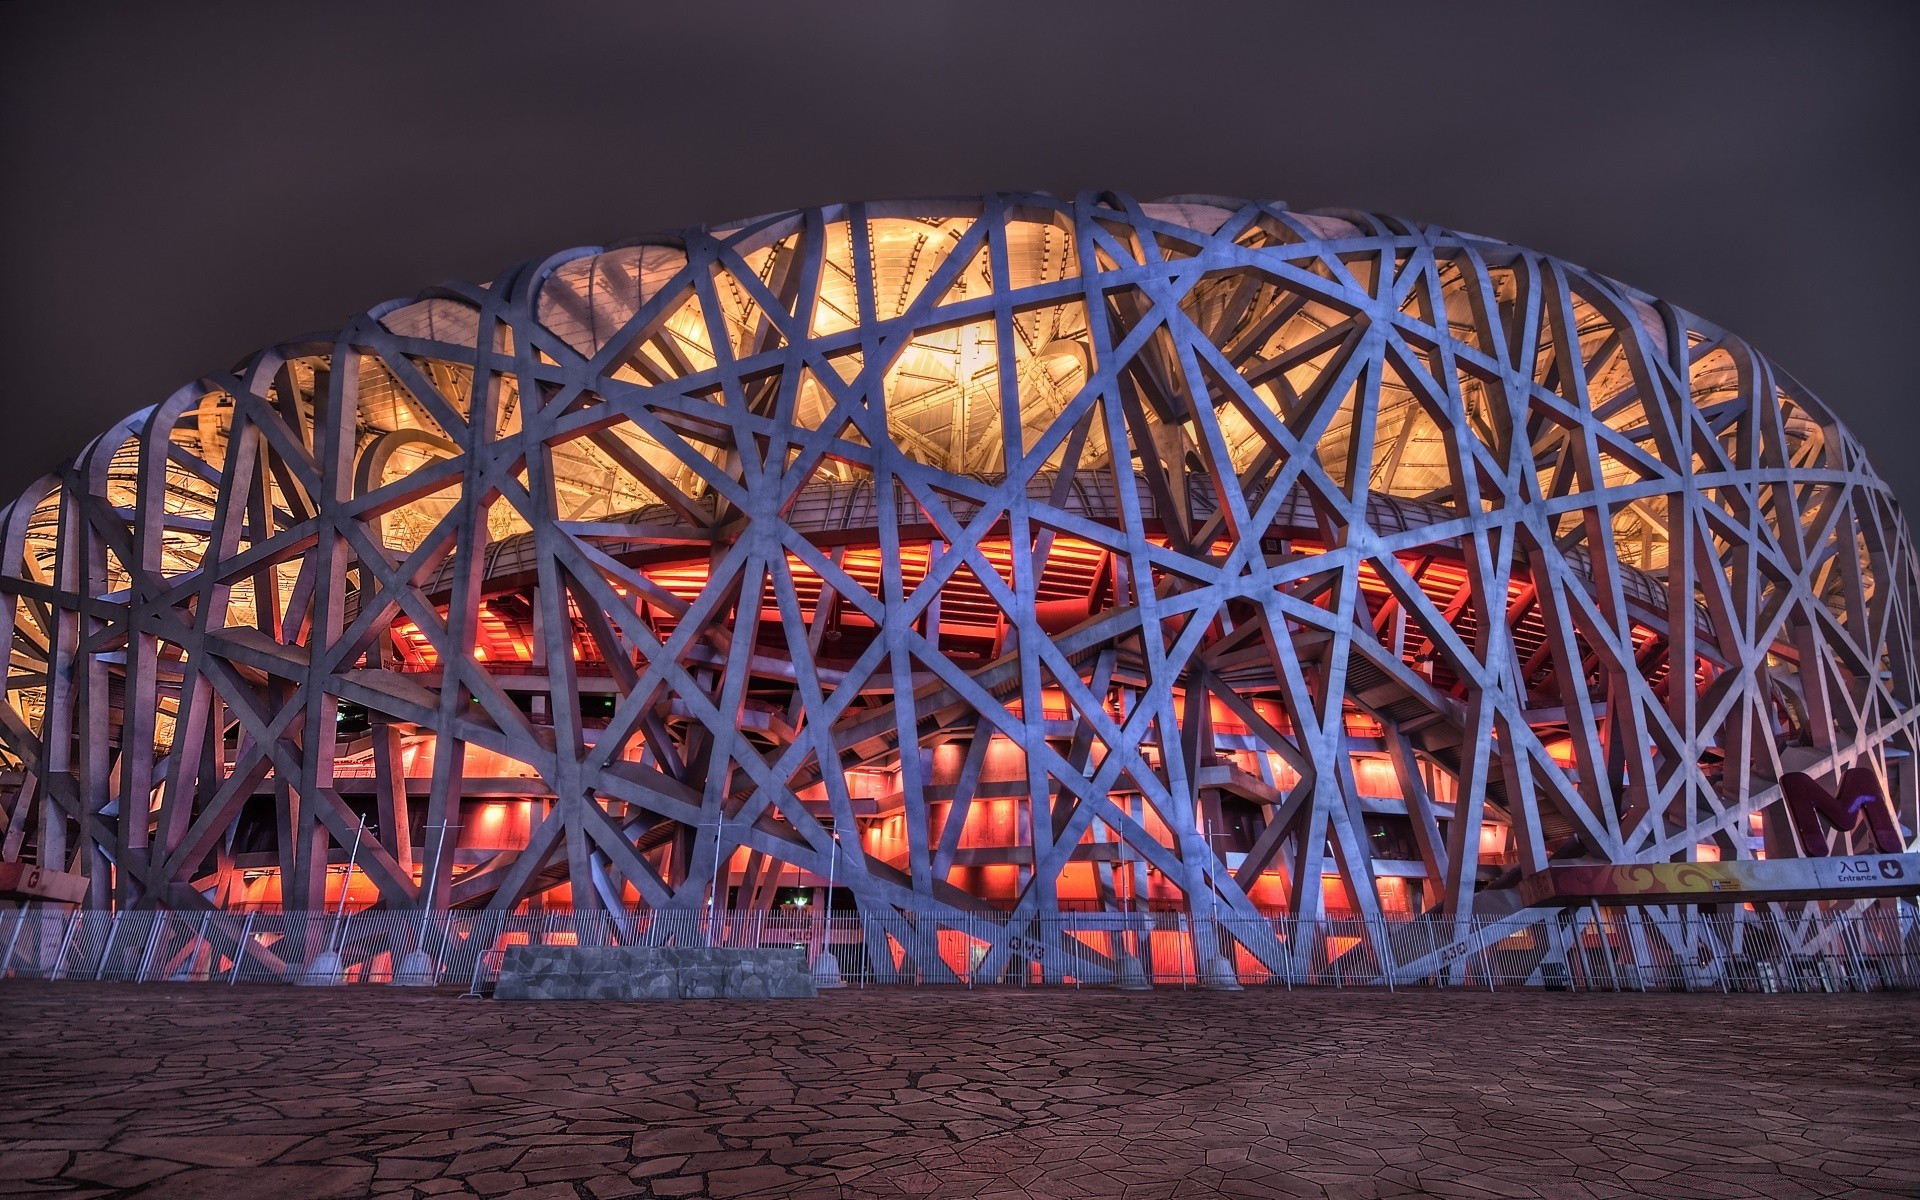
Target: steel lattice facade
<point>997,558</point>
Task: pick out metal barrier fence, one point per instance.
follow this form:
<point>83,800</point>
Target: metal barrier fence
<point>1579,950</point>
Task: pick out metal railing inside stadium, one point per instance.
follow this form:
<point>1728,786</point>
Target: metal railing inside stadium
<point>1576,950</point>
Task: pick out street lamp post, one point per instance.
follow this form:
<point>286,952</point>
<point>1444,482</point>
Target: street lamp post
<point>327,969</point>
<point>417,969</point>
<point>713,893</point>
<point>1218,974</point>
<point>826,966</point>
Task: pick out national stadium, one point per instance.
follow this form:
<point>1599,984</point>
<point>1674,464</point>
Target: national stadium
<point>1026,586</point>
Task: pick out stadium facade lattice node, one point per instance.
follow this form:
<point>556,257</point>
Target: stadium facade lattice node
<point>996,558</point>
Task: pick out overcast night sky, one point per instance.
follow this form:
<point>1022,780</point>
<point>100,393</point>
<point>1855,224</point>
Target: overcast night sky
<point>188,183</point>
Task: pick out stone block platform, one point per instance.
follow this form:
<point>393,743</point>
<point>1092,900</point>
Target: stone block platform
<point>653,973</point>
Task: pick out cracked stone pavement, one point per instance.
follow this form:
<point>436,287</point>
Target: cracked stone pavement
<point>166,1091</point>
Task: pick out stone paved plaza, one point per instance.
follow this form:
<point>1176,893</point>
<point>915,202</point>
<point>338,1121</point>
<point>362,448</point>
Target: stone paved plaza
<point>195,1091</point>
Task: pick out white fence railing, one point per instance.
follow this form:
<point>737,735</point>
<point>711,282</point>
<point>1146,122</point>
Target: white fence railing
<point>1580,950</point>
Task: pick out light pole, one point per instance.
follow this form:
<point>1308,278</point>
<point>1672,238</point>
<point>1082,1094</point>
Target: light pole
<point>1218,975</point>
<point>1132,973</point>
<point>326,969</point>
<point>826,966</point>
<point>417,969</point>
<point>713,893</point>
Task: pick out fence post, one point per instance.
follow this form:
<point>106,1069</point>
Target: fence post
<point>1560,941</point>
<point>113,931</point>
<point>13,941</point>
<point>439,960</point>
<point>1636,942</point>
<point>240,948</point>
<point>1892,935</point>
<point>1684,955</point>
<point>1723,953</point>
<point>1183,926</point>
<point>1854,957</point>
<point>199,944</point>
<point>1606,943</point>
<point>66,941</point>
<point>1486,966</point>
<point>1905,956</point>
<point>473,982</point>
<point>966,949</point>
<point>440,949</point>
<point>1066,937</point>
<point>153,939</point>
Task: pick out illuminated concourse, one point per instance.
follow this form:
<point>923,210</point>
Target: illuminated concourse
<point>988,560</point>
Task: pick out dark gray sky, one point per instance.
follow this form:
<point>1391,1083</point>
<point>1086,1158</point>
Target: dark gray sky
<point>186,184</point>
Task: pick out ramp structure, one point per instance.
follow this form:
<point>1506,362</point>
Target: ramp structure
<point>966,562</point>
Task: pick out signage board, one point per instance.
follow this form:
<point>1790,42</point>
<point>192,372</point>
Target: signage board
<point>1840,877</point>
